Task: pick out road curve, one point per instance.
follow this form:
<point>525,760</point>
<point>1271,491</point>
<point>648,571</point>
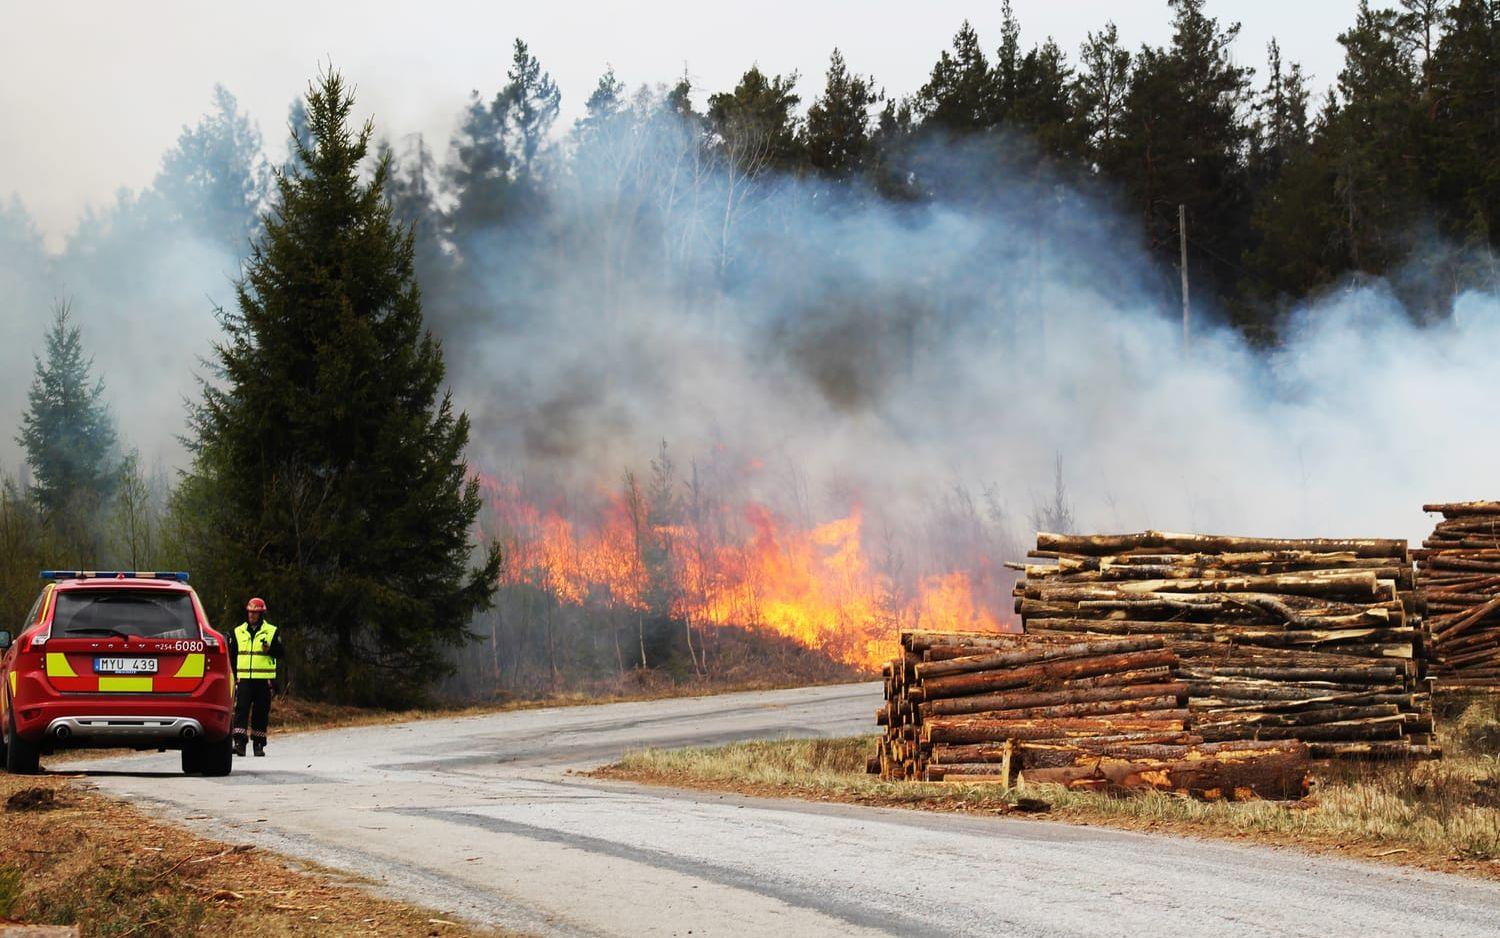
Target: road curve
<point>480,817</point>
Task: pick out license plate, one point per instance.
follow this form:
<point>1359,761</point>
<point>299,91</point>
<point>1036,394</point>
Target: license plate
<point>124,665</point>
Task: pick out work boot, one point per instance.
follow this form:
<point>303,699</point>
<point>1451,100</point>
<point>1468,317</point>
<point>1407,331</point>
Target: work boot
<point>239,745</point>
<point>260,749</point>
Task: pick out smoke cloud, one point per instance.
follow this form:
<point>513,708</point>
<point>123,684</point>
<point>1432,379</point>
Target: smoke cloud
<point>855,350</point>
<point>822,347</point>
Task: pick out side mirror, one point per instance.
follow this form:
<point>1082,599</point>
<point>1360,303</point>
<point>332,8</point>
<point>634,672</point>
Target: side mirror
<point>4,640</point>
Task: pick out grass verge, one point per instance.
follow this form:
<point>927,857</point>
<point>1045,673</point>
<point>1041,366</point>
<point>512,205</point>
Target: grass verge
<point>1442,815</point>
<point>68,856</point>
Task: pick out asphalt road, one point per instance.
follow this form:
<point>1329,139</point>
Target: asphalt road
<point>481,817</point>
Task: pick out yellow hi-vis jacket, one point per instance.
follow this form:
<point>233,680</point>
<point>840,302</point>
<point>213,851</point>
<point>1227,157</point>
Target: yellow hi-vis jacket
<point>252,652</point>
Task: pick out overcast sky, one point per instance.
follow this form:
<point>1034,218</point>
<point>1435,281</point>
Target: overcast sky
<point>92,93</point>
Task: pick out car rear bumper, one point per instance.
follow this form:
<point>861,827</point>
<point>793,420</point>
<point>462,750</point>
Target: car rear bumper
<point>64,732</point>
<point>98,720</point>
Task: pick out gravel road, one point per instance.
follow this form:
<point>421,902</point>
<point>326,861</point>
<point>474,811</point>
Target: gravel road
<point>481,817</point>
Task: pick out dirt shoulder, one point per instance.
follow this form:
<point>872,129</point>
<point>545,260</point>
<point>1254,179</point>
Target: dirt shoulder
<point>1441,816</point>
<point>70,856</point>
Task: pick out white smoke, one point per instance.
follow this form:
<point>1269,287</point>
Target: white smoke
<point>843,349</point>
<point>890,353</point>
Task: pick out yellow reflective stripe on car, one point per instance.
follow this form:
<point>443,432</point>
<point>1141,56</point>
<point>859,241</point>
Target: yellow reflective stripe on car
<point>192,666</point>
<point>57,665</point>
<point>126,684</point>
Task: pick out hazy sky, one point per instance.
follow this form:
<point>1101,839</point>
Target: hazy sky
<point>92,93</point>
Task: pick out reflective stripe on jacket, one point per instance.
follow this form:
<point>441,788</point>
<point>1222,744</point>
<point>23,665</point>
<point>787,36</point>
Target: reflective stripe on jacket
<point>252,652</point>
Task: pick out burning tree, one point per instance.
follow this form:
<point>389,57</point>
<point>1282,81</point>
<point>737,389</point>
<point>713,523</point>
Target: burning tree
<point>660,573</point>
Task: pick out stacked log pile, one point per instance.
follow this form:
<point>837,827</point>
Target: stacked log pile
<point>1092,714</point>
<point>1458,572</point>
<point>1310,640</point>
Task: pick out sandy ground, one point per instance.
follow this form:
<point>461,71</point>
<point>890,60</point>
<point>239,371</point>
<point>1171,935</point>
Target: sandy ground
<point>483,816</point>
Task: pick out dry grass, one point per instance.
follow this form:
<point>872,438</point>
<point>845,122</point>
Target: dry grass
<point>1441,815</point>
<point>68,856</point>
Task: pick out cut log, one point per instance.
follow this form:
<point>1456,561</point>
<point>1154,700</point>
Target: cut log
<point>1211,543</point>
<point>1087,702</point>
<point>1011,659</point>
<point>1278,775</point>
<point>957,730</point>
<point>1033,675</point>
<point>1024,699</point>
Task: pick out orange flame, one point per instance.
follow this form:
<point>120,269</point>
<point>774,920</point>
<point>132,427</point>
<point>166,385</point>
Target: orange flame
<point>814,585</point>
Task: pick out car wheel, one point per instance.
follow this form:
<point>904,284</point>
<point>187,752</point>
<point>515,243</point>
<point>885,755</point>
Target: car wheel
<point>215,760</point>
<point>21,757</point>
<point>192,760</point>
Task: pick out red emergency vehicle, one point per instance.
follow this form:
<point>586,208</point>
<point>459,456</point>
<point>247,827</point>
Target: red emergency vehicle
<point>116,660</point>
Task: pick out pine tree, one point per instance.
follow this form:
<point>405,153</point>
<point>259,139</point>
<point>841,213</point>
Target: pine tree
<point>1295,217</point>
<point>958,97</point>
<point>337,460</point>
<point>412,190</point>
<point>600,111</point>
<point>1465,72</point>
<point>495,175</point>
<point>214,179</point>
<point>836,135</point>
<point>1183,142</point>
<point>479,173</point>
<point>1281,130</point>
<point>1372,136</point>
<point>1043,105</point>
<point>527,107</point>
<point>1099,91</point>
<point>69,435</point>
<point>1008,77</point>
<point>756,123</point>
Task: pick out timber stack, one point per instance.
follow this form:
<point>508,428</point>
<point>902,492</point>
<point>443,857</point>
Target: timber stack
<point>1312,640</point>
<point>1458,573</point>
<point>1110,714</point>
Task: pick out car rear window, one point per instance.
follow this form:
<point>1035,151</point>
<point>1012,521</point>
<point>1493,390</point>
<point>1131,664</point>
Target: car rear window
<point>132,613</point>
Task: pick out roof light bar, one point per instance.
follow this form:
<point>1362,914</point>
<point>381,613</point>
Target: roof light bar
<point>179,576</point>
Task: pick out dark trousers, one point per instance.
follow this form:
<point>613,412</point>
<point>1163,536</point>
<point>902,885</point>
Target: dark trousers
<point>252,708</point>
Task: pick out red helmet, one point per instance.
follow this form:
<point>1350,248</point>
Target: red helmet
<point>256,605</point>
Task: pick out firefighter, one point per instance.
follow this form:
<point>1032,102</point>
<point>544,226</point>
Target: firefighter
<point>255,648</point>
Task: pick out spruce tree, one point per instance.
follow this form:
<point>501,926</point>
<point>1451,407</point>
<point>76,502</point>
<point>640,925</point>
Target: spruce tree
<point>69,435</point>
<point>328,442</point>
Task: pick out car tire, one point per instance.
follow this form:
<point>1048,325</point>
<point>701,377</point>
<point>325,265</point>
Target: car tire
<point>192,762</point>
<point>214,760</point>
<point>21,757</point>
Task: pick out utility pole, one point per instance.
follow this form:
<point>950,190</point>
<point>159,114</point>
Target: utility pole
<point>1187,333</point>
